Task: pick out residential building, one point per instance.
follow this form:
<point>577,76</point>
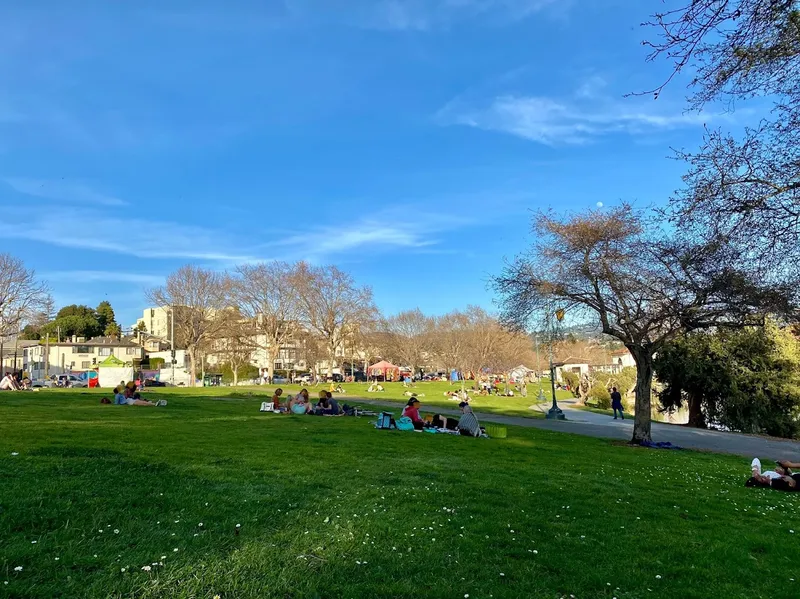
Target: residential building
<point>77,354</point>
<point>12,354</point>
<point>156,321</point>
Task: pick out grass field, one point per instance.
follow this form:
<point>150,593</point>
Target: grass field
<point>207,497</point>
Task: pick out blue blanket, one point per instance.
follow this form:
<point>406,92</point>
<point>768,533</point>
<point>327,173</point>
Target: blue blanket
<point>659,445</point>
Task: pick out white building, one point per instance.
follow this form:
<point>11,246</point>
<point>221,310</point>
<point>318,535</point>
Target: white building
<point>156,321</point>
<point>75,355</point>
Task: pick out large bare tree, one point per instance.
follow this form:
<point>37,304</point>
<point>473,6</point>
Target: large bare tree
<point>265,293</point>
<point>332,305</point>
<point>233,342</point>
<point>450,340</point>
<point>408,334</point>
<point>641,286</point>
<point>195,297</point>
<point>22,296</point>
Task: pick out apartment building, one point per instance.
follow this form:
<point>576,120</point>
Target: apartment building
<point>156,321</point>
<point>77,354</point>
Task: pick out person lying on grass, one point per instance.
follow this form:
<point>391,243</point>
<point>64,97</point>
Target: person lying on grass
<point>781,478</point>
<point>127,398</point>
<point>375,388</point>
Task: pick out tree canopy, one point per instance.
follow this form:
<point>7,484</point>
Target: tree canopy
<point>745,380</point>
<point>642,285</point>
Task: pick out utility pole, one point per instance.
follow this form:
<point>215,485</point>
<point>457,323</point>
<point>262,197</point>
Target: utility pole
<point>172,339</point>
<point>554,413</point>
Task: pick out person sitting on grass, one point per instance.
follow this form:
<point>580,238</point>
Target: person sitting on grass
<point>300,403</point>
<point>412,411</point>
<point>375,388</point>
<point>332,408</point>
<point>781,478</point>
<point>468,424</point>
<point>9,383</point>
<point>276,399</point>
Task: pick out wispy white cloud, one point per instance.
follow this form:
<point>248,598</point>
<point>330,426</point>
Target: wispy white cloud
<point>62,191</point>
<point>589,113</point>
<point>103,276</point>
<point>129,236</point>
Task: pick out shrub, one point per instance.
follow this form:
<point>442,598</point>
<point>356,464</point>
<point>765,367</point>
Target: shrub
<point>600,396</point>
<point>573,380</point>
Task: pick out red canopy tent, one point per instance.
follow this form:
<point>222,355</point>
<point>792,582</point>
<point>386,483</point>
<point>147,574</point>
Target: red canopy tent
<point>383,368</point>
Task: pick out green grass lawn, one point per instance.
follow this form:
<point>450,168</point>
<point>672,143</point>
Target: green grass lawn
<point>431,396</point>
<point>209,497</point>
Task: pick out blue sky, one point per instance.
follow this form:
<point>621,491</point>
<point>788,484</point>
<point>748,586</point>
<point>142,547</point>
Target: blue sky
<point>406,142</point>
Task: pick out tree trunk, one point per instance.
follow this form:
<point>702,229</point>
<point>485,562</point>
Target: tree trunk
<point>270,361</point>
<point>235,375</point>
<point>331,361</point>
<point>192,367</point>
<point>696,417</point>
<point>644,383</point>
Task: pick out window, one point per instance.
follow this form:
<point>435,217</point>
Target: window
<point>104,351</point>
<point>82,349</point>
<point>86,364</point>
<point>131,351</point>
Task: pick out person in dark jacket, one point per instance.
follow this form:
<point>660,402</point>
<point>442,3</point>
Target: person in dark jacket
<point>616,403</point>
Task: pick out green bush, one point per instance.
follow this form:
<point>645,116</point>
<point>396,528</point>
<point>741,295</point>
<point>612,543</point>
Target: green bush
<point>156,363</point>
<point>573,380</point>
<point>600,396</point>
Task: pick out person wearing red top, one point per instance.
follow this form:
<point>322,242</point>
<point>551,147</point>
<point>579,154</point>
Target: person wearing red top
<point>412,411</point>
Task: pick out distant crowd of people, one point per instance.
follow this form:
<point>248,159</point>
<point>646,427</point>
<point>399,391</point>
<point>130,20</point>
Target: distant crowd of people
<point>302,403</point>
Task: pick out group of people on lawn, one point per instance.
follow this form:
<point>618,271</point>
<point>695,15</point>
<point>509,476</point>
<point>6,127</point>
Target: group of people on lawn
<point>466,425</point>
<point>125,394</point>
<point>302,404</point>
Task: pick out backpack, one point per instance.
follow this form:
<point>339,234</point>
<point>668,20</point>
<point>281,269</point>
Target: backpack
<point>404,423</point>
<point>384,420</point>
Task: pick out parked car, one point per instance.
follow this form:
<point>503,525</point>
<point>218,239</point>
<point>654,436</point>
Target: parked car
<point>154,383</point>
<point>65,380</point>
<point>279,380</point>
<point>335,378</point>
<point>304,379</point>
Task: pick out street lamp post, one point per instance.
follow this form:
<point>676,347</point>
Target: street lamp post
<point>554,413</point>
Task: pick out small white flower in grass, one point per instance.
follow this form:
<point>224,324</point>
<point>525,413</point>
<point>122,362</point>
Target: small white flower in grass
<point>466,595</point>
<point>33,542</point>
<point>95,555</point>
<point>116,531</point>
<point>200,524</point>
<point>122,569</point>
<point>197,534</point>
<point>175,550</point>
<point>101,530</point>
<point>146,568</point>
<point>238,526</point>
<point>501,574</point>
<point>163,557</point>
<point>58,558</point>
<point>791,531</point>
<point>176,521</point>
<point>536,552</point>
<point>14,453</point>
<point>658,576</point>
<point>18,569</point>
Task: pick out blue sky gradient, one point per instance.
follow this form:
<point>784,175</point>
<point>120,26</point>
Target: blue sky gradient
<point>406,142</point>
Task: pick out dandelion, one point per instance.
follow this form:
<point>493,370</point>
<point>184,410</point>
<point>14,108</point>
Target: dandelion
<point>18,569</point>
<point>146,568</point>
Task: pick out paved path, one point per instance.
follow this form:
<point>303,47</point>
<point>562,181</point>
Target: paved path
<point>591,424</point>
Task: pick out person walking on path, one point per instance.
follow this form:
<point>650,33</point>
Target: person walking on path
<point>616,403</point>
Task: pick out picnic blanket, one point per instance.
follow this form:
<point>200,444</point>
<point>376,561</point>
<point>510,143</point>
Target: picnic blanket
<point>659,445</point>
